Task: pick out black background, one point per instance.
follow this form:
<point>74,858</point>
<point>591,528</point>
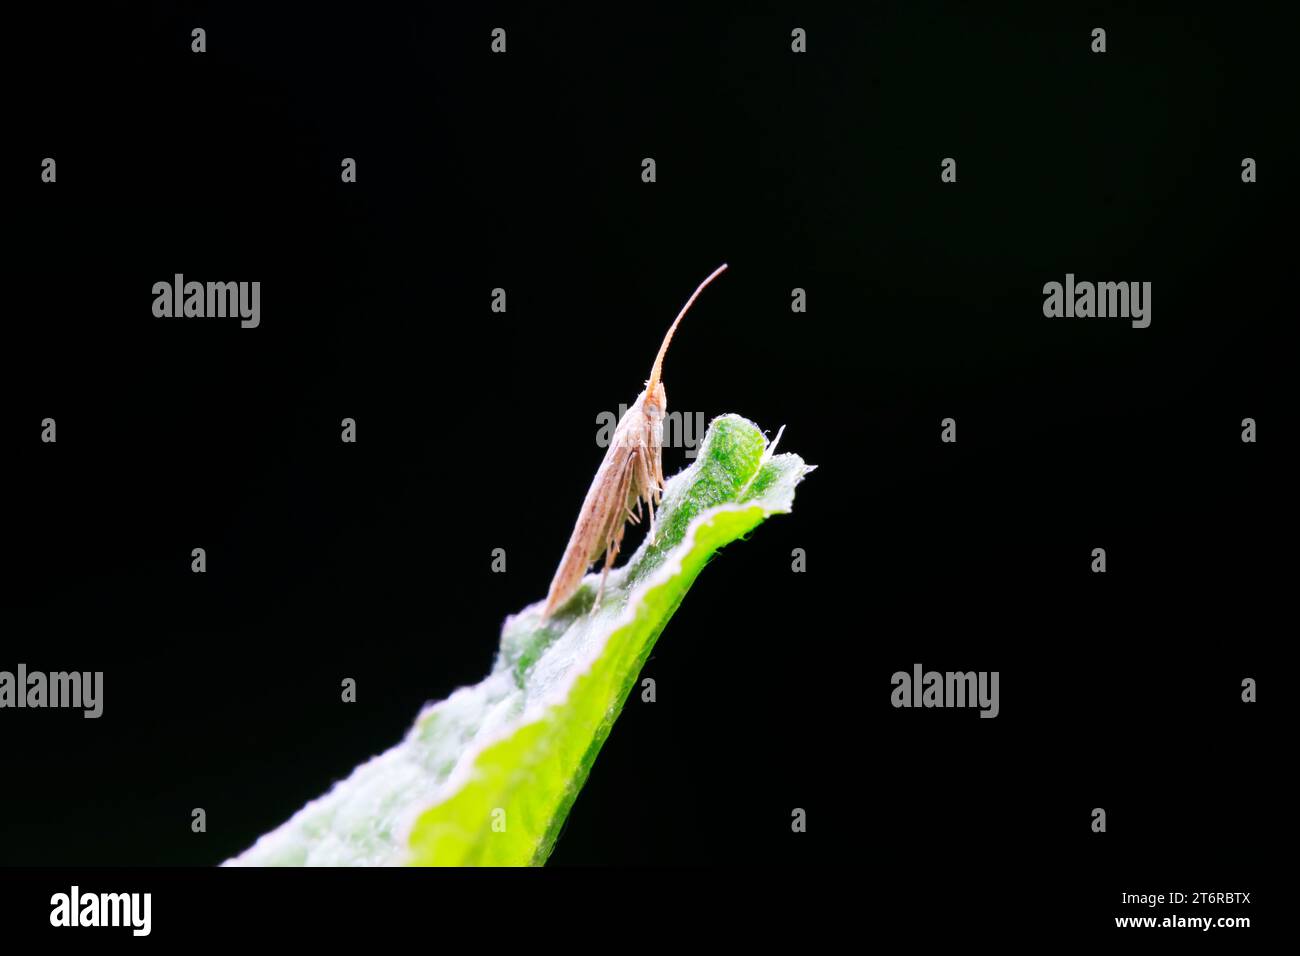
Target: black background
<point>476,430</point>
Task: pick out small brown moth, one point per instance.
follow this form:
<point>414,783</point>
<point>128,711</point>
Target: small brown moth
<point>631,473</point>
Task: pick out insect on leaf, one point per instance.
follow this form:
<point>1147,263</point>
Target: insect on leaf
<point>487,776</point>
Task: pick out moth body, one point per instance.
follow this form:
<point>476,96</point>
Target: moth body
<point>631,475</point>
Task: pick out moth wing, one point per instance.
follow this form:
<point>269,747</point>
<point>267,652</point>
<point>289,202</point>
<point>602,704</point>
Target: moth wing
<point>613,509</point>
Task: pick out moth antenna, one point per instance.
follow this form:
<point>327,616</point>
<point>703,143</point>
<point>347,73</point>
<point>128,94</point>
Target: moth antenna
<point>659,359</point>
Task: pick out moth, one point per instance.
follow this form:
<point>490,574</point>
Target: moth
<point>631,475</point>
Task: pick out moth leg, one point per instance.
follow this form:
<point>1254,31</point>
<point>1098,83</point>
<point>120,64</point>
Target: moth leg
<point>649,492</point>
<point>613,542</point>
<point>611,555</point>
<point>600,591</point>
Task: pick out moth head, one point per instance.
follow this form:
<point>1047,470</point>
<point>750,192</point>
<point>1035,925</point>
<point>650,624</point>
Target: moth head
<point>656,399</point>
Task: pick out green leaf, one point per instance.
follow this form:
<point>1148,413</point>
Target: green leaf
<point>487,776</point>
